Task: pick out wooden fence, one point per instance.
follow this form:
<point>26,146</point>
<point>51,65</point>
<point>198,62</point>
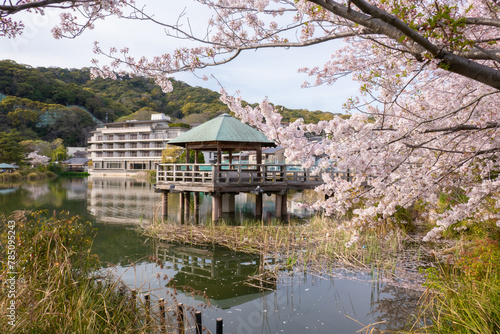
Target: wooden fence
<point>179,318</point>
<point>230,174</point>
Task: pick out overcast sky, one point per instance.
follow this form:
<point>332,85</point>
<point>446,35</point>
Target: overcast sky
<point>258,74</point>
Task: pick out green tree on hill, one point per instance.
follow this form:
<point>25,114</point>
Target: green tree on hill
<point>10,149</point>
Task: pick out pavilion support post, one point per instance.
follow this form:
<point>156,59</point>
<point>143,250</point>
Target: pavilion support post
<point>164,204</point>
<point>230,157</point>
<point>228,203</point>
<point>187,155</point>
<point>278,205</point>
<point>196,207</point>
<point>220,206</point>
<point>216,202</point>
<point>258,205</point>
<point>187,205</point>
<point>181,204</point>
<point>284,203</point>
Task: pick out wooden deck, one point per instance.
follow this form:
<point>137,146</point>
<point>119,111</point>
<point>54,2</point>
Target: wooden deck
<point>227,178</point>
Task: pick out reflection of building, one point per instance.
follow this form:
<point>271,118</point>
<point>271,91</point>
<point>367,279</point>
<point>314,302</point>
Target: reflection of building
<point>132,146</point>
<point>211,270</point>
<point>76,188</point>
<point>123,201</point>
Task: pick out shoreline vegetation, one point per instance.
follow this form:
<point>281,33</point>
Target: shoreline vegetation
<point>459,277</point>
<point>35,174</point>
<point>54,284</point>
<point>26,175</point>
<point>317,245</point>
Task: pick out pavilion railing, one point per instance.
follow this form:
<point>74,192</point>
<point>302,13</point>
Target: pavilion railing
<point>220,174</point>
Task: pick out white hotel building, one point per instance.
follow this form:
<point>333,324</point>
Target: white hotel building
<point>123,148</point>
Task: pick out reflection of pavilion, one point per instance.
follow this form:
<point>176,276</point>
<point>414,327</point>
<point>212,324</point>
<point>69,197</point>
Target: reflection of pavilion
<point>218,272</point>
<point>118,200</point>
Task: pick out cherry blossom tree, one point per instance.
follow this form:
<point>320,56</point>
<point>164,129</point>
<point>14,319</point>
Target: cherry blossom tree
<point>76,16</point>
<point>37,159</point>
<point>424,125</point>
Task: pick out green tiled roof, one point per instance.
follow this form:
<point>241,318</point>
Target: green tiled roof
<point>222,129</point>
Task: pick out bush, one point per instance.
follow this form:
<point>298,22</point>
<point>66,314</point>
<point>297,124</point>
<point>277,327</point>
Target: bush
<point>14,176</point>
<point>50,175</point>
<point>56,168</point>
<point>33,176</point>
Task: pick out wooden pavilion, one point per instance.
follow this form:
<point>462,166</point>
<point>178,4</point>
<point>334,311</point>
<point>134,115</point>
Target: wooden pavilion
<point>223,134</point>
<point>223,181</point>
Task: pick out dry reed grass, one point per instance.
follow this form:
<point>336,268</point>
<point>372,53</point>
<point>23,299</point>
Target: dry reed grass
<point>319,244</point>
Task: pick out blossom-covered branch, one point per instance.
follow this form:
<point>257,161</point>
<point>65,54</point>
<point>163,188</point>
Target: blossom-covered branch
<point>425,122</point>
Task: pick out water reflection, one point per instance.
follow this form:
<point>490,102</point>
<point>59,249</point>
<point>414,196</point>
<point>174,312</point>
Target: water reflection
<point>132,201</point>
<point>220,273</point>
<point>395,306</point>
<point>122,201</point>
<point>297,303</point>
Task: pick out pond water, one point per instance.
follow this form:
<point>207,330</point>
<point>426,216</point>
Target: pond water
<point>294,303</point>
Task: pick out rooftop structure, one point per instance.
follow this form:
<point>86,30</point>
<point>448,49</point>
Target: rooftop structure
<point>223,133</point>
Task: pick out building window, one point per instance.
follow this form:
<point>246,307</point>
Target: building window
<point>113,165</point>
<point>133,137</point>
<point>121,137</point>
<point>138,166</point>
<point>145,136</point>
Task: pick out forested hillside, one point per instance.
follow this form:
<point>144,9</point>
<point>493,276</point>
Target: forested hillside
<point>49,103</point>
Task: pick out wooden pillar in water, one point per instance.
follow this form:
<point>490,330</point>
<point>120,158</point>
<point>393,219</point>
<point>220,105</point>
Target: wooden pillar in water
<point>228,203</point>
<point>187,205</point>
<point>196,207</point>
<point>181,204</point>
<point>164,204</point>
<point>284,203</point>
<point>258,205</point>
<point>216,203</point>
<point>278,205</point>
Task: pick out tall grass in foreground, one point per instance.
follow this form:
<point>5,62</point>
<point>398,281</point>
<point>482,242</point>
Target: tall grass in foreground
<point>464,297</point>
<point>57,286</point>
